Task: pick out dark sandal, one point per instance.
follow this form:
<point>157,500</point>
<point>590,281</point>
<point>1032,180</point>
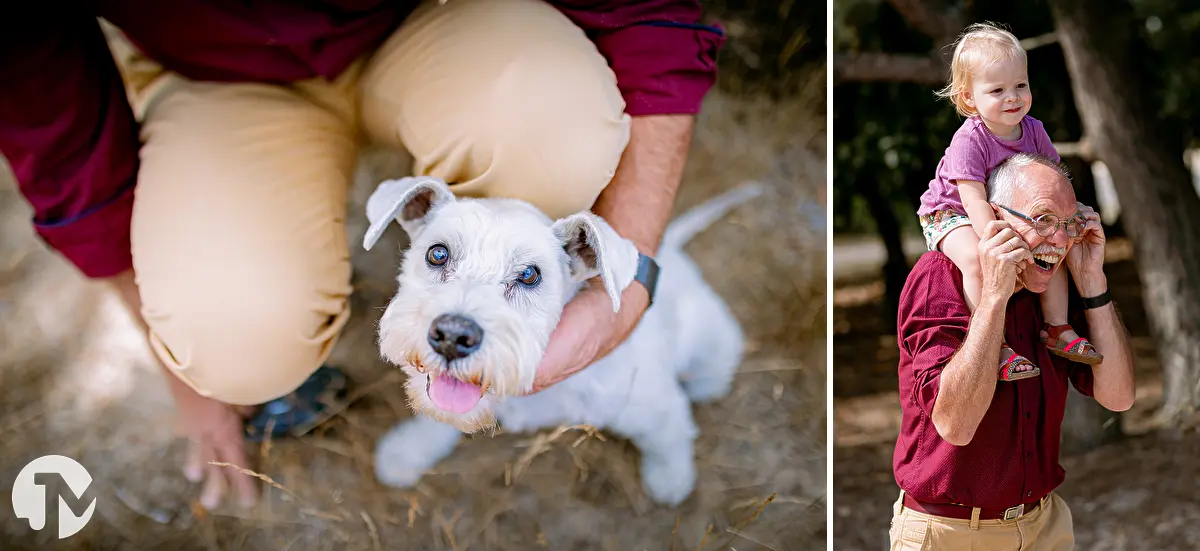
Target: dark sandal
<point>1078,350</point>
<point>1008,369</point>
<point>315,400</point>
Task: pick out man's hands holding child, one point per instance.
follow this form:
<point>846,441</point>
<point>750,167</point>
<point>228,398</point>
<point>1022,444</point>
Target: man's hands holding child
<point>1003,254</point>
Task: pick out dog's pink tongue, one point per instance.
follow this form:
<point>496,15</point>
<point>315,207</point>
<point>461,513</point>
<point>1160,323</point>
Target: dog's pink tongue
<point>453,395</point>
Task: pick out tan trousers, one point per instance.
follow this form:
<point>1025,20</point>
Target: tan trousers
<point>238,235</point>
<point>1048,528</point>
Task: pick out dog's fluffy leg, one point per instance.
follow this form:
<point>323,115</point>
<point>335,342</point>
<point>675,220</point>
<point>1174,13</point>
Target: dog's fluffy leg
<point>718,345</point>
<point>410,449</point>
<point>661,427</point>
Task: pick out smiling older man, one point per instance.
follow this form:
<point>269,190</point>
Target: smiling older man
<point>977,458</point>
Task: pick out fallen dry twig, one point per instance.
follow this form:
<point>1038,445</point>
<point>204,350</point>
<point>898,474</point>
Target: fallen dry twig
<point>374,533</point>
<point>308,507</point>
<point>541,444</point>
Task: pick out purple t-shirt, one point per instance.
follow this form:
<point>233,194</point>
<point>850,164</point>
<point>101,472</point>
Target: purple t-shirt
<point>973,153</point>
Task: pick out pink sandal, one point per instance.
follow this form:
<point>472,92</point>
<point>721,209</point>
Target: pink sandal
<point>1008,368</point>
<point>1079,350</point>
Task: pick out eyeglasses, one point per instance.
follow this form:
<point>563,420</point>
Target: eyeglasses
<point>1047,224</point>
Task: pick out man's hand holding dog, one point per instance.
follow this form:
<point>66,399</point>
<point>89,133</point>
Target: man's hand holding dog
<point>588,331</point>
<point>637,204</point>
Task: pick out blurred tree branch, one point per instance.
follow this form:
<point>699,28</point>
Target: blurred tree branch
<point>937,19</point>
<point>1035,42</point>
<point>1081,149</point>
<point>883,67</point>
<point>934,18</point>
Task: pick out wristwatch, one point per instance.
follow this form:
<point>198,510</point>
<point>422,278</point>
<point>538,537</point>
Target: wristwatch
<point>647,275</point>
<point>1096,301</point>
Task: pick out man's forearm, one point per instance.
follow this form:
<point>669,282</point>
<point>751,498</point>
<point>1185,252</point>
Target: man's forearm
<point>1113,386</point>
<point>968,381</point>
<point>639,200</point>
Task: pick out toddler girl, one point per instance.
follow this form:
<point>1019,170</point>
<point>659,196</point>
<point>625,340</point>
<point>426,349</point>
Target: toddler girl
<point>989,84</point>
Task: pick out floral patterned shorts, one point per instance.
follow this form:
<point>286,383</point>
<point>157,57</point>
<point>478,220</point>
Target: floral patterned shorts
<point>937,224</point>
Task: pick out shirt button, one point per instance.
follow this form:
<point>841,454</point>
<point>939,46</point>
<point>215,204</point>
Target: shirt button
<point>1028,494</point>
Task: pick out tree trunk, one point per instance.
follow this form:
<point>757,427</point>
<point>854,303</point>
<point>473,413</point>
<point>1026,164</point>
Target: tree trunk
<point>1160,208</point>
<point>1087,425</point>
<point>895,269</point>
<point>1082,180</point>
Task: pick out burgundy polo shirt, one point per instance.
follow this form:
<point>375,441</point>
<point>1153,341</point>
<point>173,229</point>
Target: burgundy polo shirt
<point>69,134</point>
<point>1013,457</point>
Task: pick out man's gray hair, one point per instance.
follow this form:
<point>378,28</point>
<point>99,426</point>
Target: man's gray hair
<point>1003,181</point>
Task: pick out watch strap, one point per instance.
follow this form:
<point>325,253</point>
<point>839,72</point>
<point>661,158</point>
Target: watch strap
<point>647,274</point>
<point>1096,301</point>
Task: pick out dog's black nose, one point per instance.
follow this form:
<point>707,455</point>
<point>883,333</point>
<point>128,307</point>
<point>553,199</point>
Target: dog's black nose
<point>454,336</point>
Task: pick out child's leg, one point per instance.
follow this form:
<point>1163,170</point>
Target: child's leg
<point>962,246</point>
<point>1060,337</point>
<point>1054,301</point>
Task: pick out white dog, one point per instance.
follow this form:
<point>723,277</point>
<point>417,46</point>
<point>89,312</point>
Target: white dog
<point>482,286</point>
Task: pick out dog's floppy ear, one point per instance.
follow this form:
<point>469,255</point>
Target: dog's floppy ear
<point>407,201</point>
<point>595,249</point>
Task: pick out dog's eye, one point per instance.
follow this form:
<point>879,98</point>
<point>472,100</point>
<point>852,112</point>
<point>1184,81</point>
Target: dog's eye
<point>437,255</point>
<point>530,276</point>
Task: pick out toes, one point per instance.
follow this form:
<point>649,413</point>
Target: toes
<point>214,489</point>
<point>193,467</point>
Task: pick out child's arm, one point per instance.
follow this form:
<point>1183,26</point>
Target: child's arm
<point>974,200</point>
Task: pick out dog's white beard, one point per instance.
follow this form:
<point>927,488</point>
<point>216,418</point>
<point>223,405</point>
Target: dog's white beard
<point>504,365</point>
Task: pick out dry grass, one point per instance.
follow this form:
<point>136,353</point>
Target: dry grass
<point>76,379</point>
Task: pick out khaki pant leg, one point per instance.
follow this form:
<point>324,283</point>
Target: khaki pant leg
<point>237,235</point>
<point>503,98</point>
<point>906,533</point>
<point>1050,528</point>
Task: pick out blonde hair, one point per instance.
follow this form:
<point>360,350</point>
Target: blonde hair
<point>980,45</point>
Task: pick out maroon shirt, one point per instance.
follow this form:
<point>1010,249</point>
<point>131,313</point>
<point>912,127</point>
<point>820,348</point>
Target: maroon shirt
<point>68,132</point>
<point>1013,457</point>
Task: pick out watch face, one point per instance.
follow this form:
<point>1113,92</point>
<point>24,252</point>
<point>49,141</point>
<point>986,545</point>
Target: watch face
<point>647,274</point>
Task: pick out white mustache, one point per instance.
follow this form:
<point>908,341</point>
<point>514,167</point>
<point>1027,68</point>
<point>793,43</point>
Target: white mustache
<point>1049,249</point>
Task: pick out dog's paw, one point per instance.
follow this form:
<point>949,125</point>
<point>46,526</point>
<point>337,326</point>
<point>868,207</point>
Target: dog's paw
<point>668,482</point>
<point>410,450</point>
<point>394,467</point>
<point>703,390</point>
<point>397,475</point>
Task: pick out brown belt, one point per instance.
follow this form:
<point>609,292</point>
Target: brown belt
<point>964,513</point>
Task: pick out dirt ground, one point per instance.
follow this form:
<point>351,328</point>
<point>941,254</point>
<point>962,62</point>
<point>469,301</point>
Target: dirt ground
<point>1135,494</point>
<point>76,379</point>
